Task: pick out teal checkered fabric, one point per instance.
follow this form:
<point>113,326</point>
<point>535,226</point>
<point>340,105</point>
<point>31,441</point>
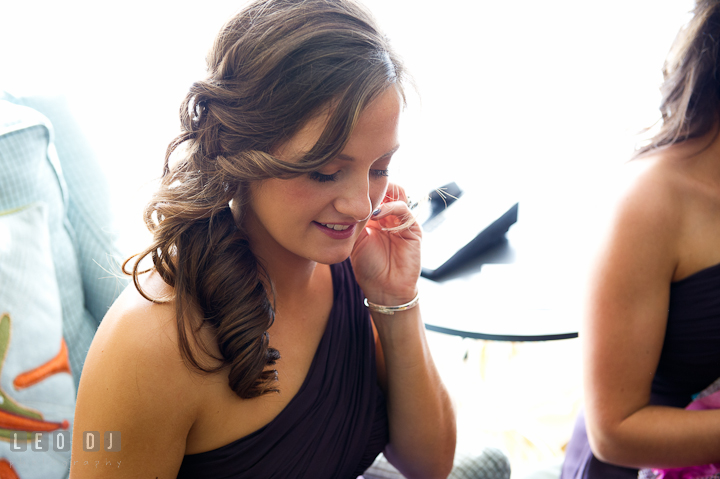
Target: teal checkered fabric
<point>88,205</point>
<point>67,180</point>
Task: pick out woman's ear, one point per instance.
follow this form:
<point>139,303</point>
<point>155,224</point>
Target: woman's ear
<point>237,204</point>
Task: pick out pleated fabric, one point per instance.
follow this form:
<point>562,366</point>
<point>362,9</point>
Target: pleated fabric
<point>335,425</point>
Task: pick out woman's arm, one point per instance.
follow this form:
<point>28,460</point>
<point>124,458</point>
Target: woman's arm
<point>623,334</point>
<point>422,420</point>
<point>134,382</point>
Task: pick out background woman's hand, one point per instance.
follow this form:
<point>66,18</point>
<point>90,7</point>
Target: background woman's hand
<point>387,263</point>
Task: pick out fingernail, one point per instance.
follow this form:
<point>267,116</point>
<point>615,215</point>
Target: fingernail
<point>376,212</point>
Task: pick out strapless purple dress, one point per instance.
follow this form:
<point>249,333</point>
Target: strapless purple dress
<point>689,362</point>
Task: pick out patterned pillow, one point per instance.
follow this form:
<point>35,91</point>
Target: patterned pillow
<point>37,392</point>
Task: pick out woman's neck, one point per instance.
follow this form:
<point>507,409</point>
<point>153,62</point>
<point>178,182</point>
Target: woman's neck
<point>698,158</point>
<point>293,277</point>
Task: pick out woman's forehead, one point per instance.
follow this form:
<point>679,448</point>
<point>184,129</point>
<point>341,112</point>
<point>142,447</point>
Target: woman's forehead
<point>376,120</point>
<point>304,139</point>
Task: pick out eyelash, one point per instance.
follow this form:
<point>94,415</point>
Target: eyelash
<point>319,177</point>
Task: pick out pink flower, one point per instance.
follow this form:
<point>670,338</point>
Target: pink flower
<point>692,472</point>
<point>704,401</point>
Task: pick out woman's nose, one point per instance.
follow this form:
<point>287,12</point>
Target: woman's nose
<point>354,201</point>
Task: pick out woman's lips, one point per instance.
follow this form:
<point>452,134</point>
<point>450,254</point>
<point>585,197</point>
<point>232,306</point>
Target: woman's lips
<point>339,233</point>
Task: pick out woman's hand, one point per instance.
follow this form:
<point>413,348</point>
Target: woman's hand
<point>387,263</point>
<point>421,417</point>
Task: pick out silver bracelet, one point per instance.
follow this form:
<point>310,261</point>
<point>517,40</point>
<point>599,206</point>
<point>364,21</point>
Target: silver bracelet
<point>379,308</point>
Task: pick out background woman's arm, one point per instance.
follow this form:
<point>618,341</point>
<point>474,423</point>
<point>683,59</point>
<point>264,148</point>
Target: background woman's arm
<point>623,334</point>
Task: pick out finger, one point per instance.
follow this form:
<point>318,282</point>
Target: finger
<point>393,208</point>
<point>395,217</point>
<point>395,193</point>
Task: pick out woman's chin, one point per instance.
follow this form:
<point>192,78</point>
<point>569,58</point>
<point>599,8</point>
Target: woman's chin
<point>332,257</point>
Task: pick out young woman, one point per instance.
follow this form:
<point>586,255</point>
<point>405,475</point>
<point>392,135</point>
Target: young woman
<point>246,349</point>
<point>652,330</point>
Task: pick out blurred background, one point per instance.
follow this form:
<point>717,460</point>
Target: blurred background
<point>538,97</point>
<point>542,99</point>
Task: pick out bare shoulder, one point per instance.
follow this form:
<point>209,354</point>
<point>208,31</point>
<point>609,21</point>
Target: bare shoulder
<point>639,248</point>
<point>135,382</point>
<point>140,339</point>
<point>647,209</point>
<point>667,203</point>
<point>653,188</point>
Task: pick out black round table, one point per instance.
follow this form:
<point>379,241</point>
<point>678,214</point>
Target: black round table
<point>522,289</point>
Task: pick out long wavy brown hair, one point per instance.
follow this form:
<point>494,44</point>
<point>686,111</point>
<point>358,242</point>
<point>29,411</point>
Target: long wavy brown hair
<point>691,87</point>
<point>272,67</point>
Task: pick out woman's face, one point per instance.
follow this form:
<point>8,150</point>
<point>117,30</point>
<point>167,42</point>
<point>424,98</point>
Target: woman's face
<point>318,216</point>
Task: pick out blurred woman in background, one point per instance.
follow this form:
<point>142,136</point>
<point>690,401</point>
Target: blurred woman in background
<point>651,337</point>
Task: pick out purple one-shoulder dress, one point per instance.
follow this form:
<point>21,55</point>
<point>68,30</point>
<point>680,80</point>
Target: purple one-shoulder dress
<point>335,425</point>
<point>689,362</point>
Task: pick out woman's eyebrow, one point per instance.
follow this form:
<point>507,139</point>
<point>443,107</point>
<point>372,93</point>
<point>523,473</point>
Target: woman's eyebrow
<point>345,157</point>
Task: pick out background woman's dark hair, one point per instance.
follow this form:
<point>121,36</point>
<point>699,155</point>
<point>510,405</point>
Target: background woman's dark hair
<point>691,87</point>
<point>272,67</point>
